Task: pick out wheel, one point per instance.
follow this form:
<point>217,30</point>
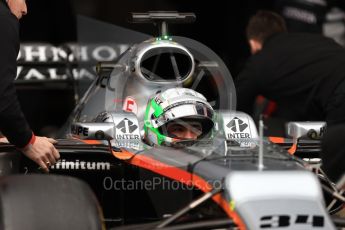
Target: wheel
<point>35,202</point>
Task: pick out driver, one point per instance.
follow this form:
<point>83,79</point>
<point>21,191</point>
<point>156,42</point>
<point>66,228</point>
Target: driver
<point>177,117</point>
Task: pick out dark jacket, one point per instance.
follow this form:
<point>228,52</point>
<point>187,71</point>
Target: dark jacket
<point>298,71</point>
<point>12,121</point>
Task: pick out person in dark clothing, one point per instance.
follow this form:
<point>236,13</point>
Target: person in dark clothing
<point>333,155</point>
<point>12,121</point>
<point>303,73</point>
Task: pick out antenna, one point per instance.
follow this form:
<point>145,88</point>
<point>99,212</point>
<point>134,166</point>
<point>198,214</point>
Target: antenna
<point>162,19</point>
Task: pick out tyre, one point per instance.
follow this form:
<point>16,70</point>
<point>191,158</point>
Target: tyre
<point>35,202</point>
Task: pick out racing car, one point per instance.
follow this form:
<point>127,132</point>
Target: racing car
<point>231,178</point>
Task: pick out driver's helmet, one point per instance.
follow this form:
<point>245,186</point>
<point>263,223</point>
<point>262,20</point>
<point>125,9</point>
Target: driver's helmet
<point>174,111</point>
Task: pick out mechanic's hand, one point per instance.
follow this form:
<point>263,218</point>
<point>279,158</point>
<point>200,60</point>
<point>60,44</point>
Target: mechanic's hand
<point>3,140</point>
<point>43,152</point>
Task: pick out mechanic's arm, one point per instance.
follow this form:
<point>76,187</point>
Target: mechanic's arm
<point>12,121</point>
<point>247,89</point>
<point>14,126</point>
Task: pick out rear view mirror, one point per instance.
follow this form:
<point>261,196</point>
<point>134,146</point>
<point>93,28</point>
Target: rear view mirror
<point>306,130</point>
<point>93,131</point>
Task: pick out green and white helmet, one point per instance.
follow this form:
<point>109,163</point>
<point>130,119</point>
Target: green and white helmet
<point>180,105</point>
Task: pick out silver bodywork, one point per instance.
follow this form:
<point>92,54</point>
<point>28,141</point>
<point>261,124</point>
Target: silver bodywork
<point>125,88</point>
<point>306,130</point>
<point>277,199</point>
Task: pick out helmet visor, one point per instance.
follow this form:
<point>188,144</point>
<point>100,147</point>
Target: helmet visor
<point>189,128</point>
<point>183,110</point>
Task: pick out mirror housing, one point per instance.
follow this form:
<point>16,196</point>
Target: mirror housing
<point>306,130</point>
<point>121,127</point>
<point>93,131</point>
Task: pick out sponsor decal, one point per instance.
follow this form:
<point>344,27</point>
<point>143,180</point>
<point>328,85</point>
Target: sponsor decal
<point>25,73</point>
<point>158,100</point>
<point>126,126</point>
<point>237,129</point>
<point>46,62</point>
<point>284,221</point>
<point>130,105</point>
<point>125,129</point>
<point>81,165</point>
<point>77,130</point>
